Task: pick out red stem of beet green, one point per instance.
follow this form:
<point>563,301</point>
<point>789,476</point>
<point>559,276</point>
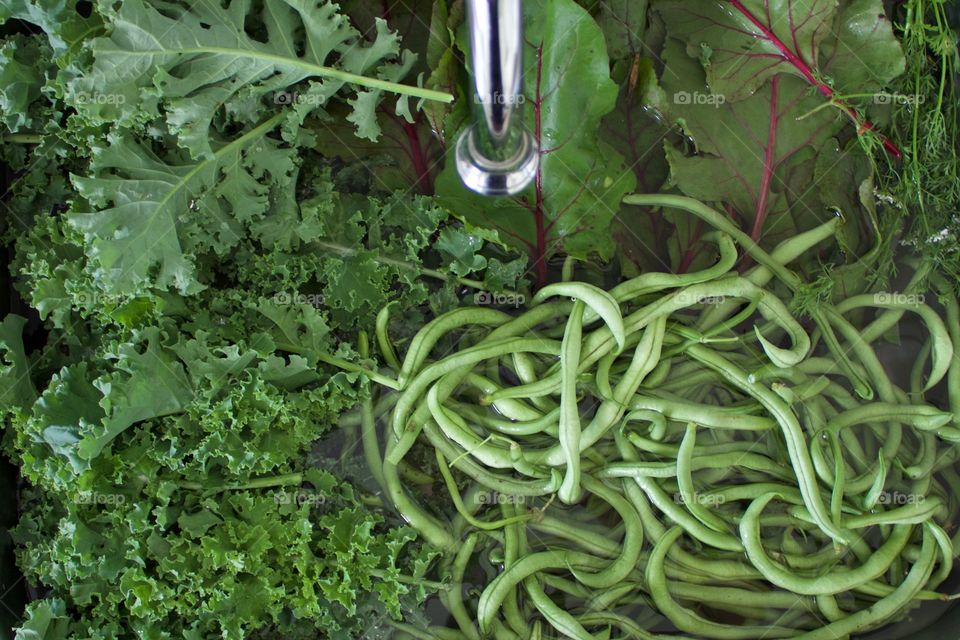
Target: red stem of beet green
<point>800,65</point>
<point>424,183</point>
<point>693,248</point>
<point>760,214</point>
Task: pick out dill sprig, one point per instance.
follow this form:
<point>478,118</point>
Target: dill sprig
<point>926,123</point>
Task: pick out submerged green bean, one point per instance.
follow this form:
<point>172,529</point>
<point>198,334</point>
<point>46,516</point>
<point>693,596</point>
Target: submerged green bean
<point>635,441</point>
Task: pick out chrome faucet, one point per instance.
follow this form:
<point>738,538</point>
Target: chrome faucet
<point>497,155</point>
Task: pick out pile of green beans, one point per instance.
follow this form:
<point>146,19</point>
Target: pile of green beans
<point>677,455</point>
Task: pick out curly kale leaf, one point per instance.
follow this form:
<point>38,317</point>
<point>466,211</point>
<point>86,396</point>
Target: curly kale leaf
<point>205,64</point>
<point>145,214</point>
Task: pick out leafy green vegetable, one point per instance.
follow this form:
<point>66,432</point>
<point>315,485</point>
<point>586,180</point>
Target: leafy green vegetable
<point>21,76</point>
<point>199,63</point>
<point>750,108</point>
<point>225,219</point>
<point>847,47</point>
<point>16,389</point>
<point>198,255</point>
<point>748,151</point>
<point>924,111</point>
<point>581,179</point>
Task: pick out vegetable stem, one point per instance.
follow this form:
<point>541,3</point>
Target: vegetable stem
<point>23,138</point>
<point>311,69</point>
<point>340,363</point>
<point>804,69</point>
<point>409,266</point>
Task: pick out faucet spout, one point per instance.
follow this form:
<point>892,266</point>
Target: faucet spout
<point>496,38</point>
<point>497,155</point>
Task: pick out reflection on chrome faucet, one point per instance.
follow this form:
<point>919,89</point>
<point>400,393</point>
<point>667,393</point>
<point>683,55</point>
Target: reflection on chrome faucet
<point>497,155</point>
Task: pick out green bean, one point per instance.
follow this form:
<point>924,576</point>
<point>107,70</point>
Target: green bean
<point>565,585</point>
<point>458,502</point>
<point>570,431</point>
<point>601,302</point>
<point>502,484</point>
<point>945,545</point>
<point>877,589</point>
<point>719,461</point>
<point>922,417</point>
<point>710,336</point>
<point>952,307</point>
<point>427,338</point>
<point>860,384</point>
<point>852,445</point>
<point>544,424</point>
<point>416,387</point>
<point>516,619</point>
<point>611,598</point>
<point>495,592</point>
<point>872,497</point>
<point>706,415</point>
<point>589,539</point>
<point>383,338</point>
<point>784,253</point>
<point>720,222</point>
<point>603,375</point>
<point>537,633</point>
<point>686,620</point>
<point>691,525</point>
<point>949,434</point>
<point>564,622</point>
<point>453,598</point>
<point>655,282</point>
<point>724,570</point>
<point>829,608</point>
<point>632,542</point>
<point>524,367</point>
<point>368,437</point>
<point>888,606</point>
<point>433,531</point>
<point>510,408</point>
<point>733,595</point>
<point>839,471</point>
<point>926,458</point>
<point>610,412</point>
<point>658,430</point>
<point>915,513</point>
<point>414,476</point>
<point>630,627</point>
<point>824,470</point>
<point>659,374</point>
<point>829,556</point>
<point>916,372</point>
<point>703,377</point>
<point>835,582</point>
<point>545,386</point>
<point>942,344</point>
<point>456,430</point>
<point>887,320</point>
